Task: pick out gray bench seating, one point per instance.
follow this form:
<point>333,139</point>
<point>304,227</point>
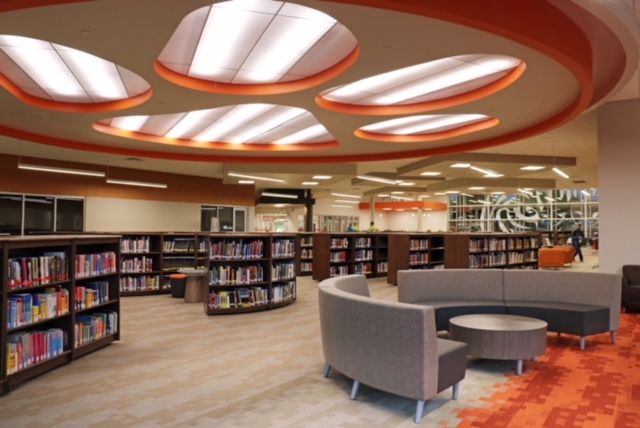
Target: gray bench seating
<point>578,303</point>
<point>386,345</point>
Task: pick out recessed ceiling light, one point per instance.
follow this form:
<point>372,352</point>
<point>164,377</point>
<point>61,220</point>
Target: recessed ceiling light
<point>255,177</point>
<point>532,168</point>
<point>453,192</point>
<point>460,165</point>
<point>346,195</point>
<point>397,192</point>
<point>476,188</point>
<point>309,183</point>
<point>321,177</point>
<point>383,195</point>
<point>346,202</point>
<point>440,193</point>
<point>406,183</point>
<point>246,182</point>
<point>431,173</point>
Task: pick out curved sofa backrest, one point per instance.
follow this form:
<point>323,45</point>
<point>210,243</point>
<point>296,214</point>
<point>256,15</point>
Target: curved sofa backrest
<point>566,287</point>
<point>387,345</point>
<point>449,284</point>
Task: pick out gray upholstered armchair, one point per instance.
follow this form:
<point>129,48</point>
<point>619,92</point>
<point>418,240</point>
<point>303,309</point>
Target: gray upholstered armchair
<point>631,286</point>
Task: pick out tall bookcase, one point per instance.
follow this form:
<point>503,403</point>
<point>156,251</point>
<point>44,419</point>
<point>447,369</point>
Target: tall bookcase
<point>141,264</point>
<point>381,254</point>
<point>462,251</point>
<point>304,259</point>
<point>250,272</point>
<point>334,255</point>
<point>60,301</point>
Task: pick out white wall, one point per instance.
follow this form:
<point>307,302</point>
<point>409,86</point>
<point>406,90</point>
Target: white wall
<point>619,176</point>
<point>129,215</point>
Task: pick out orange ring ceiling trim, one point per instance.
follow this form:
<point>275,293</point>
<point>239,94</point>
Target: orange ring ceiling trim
<point>178,142</point>
<point>68,107</point>
<point>539,26</point>
<point>258,89</point>
<point>473,95</point>
<point>433,136</point>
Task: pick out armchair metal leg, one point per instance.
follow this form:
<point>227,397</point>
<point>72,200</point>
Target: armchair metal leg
<point>419,410</point>
<point>456,390</point>
<point>327,369</point>
<point>583,343</point>
<point>614,337</point>
<point>354,389</point>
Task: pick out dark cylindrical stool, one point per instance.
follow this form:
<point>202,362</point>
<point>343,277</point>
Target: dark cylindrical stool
<point>178,283</point>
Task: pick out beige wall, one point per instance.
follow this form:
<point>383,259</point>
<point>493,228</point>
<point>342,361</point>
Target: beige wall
<point>129,215</point>
<point>618,177</point>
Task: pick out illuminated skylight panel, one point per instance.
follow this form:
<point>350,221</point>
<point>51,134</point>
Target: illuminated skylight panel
<point>253,42</point>
<point>245,123</point>
<point>424,124</point>
<point>66,74</point>
<point>436,79</point>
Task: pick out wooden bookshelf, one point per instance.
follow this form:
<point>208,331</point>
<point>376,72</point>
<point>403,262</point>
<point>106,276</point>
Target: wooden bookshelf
<point>414,251</point>
<point>250,272</point>
<point>381,254</point>
<point>58,290</point>
<point>141,265</point>
<point>304,259</point>
<point>183,251</point>
<point>333,255</point>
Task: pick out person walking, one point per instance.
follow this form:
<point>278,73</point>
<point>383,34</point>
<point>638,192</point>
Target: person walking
<point>576,240</point>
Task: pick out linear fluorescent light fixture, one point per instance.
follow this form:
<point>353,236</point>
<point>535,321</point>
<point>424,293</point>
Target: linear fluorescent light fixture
<point>61,170</point>
<point>344,195</point>
<point>255,177</point>
<point>342,206</point>
<point>525,191</point>
<point>280,195</point>
<point>309,183</point>
<point>532,168</point>
<point>560,172</point>
<point>321,177</point>
<point>430,173</point>
<point>376,179</point>
<point>344,201</point>
<point>136,183</point>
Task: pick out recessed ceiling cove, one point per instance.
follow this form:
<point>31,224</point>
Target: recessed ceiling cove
<point>256,47</point>
<point>56,77</point>
<point>238,127</point>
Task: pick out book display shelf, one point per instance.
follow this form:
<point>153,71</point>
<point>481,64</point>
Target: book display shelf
<point>503,251</point>
<point>250,272</point>
<point>60,301</point>
<point>183,251</point>
<point>414,251</point>
<point>334,255</point>
<point>141,265</point>
<point>304,261</point>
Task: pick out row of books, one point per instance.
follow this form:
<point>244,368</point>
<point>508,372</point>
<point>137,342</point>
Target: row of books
<point>27,348</point>
<point>340,243</point>
<point>283,292</point>
<point>135,245</point>
<point>38,270</point>
<point>306,266</point>
<point>418,258</point>
<point>95,264</point>
<point>382,267</point>
<point>136,264</point>
<point>338,256</point>
<point>281,271</point>
<point>529,256</point>
<point>237,249</point>
<point>362,242</point>
<point>306,241</point>
<point>418,244</point>
<point>244,297</point>
<point>362,255</point>
<point>282,248</point>
<point>176,263</point>
<point>306,253</point>
<point>91,327</point>
<point>91,294</point>
<point>236,275</point>
<point>338,271</point>
<point>363,268</point>
<point>490,244</point>
<point>26,308</point>
<point>175,245</point>
<point>523,243</point>
<point>487,260</point>
<point>139,283</point>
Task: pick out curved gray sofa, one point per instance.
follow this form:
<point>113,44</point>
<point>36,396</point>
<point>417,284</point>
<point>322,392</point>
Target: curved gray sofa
<point>578,303</point>
<point>386,345</point>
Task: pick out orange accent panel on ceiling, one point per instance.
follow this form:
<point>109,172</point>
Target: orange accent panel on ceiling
<point>441,103</point>
<point>258,89</point>
<point>433,136</point>
<point>405,205</point>
<point>74,107</point>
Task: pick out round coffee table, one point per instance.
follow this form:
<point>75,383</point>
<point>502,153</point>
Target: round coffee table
<point>500,337</point>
